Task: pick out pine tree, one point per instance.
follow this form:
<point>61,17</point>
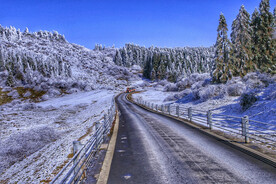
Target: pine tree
<point>147,68</point>
<point>241,54</point>
<point>222,71</point>
<point>266,61</point>
<point>255,38</point>
<point>153,74</point>
<point>118,58</point>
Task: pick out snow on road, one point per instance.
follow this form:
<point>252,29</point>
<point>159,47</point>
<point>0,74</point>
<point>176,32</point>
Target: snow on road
<point>63,119</point>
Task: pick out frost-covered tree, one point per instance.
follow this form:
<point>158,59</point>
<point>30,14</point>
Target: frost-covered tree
<point>241,53</point>
<point>148,68</point>
<point>222,70</point>
<point>118,58</point>
<point>266,61</point>
<point>255,25</point>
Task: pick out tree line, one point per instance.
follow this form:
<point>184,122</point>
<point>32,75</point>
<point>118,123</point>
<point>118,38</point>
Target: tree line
<point>166,63</point>
<point>252,45</point>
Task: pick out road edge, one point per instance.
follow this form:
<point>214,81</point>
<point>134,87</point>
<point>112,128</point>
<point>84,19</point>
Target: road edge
<point>255,154</point>
<point>103,177</point>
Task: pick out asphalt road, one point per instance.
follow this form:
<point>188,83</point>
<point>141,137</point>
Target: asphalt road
<point>152,148</point>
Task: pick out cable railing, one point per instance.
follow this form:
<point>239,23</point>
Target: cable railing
<point>241,127</point>
<point>75,170</point>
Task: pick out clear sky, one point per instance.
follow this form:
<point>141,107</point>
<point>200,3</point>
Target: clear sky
<point>163,23</point>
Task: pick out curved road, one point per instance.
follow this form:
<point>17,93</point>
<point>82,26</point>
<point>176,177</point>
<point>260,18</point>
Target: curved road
<point>152,148</point>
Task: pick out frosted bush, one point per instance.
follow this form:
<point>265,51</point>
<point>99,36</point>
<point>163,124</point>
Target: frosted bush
<point>170,87</point>
<point>136,68</point>
<point>247,100</point>
<point>37,88</point>
<point>7,89</point>
<point>45,97</point>
<point>28,106</point>
<point>189,81</point>
<point>73,90</point>
<point>197,85</point>
<point>45,85</point>
<point>267,78</point>
<point>178,96</point>
<point>88,88</point>
<point>257,80</point>
<point>20,145</point>
<point>13,94</point>
<point>171,98</point>
<point>163,82</point>
<point>15,102</point>
<point>209,92</point>
<point>27,94</point>
<point>144,84</point>
<point>184,93</point>
<point>4,74</point>
<point>53,92</point>
<point>235,88</point>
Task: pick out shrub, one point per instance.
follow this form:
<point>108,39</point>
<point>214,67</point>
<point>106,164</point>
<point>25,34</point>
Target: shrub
<point>247,100</point>
<point>208,92</point>
<point>170,87</point>
<point>236,89</point>
<point>171,98</point>
<point>178,96</point>
<point>189,81</point>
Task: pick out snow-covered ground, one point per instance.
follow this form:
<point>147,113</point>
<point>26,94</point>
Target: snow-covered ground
<point>36,139</point>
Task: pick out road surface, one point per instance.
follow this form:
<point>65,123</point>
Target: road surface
<point>152,148</point>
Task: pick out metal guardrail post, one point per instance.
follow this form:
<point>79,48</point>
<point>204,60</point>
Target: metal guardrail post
<point>169,109</point>
<point>156,107</point>
<point>177,110</point>
<point>245,125</point>
<point>76,147</point>
<point>105,120</point>
<point>97,125</point>
<point>162,108</point>
<point>152,106</point>
<point>190,113</point>
<point>102,136</point>
<point>209,119</point>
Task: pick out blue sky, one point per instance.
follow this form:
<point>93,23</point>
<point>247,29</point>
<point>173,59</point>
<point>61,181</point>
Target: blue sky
<point>163,23</point>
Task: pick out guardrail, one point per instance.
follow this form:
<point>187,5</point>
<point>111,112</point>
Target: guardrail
<point>243,127</point>
<point>75,170</point>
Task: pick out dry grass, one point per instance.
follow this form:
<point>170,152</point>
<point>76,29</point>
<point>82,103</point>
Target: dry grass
<point>88,132</point>
<point>4,98</point>
<point>34,97</point>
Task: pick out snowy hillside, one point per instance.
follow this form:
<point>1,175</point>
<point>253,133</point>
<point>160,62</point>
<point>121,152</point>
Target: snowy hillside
<point>46,60</point>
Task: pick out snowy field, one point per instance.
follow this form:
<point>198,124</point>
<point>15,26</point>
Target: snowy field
<point>36,139</point>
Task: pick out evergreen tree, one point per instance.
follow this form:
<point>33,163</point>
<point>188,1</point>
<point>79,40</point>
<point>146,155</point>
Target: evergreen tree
<point>147,68</point>
<point>266,62</point>
<point>241,54</point>
<point>118,58</point>
<point>222,71</point>
<point>153,74</point>
<point>255,25</point>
